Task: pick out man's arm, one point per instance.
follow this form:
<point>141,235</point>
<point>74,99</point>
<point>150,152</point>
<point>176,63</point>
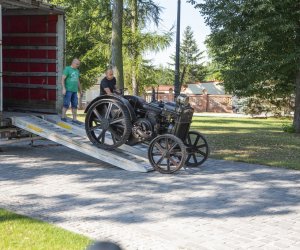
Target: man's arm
<point>63,84</point>
<point>115,87</point>
<point>79,87</point>
<point>107,90</point>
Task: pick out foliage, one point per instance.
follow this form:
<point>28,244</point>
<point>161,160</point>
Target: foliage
<point>164,76</point>
<point>137,41</point>
<point>251,140</point>
<point>191,70</point>
<point>88,25</point>
<point>213,72</point>
<point>276,107</point>
<point>22,233</point>
<point>149,41</point>
<point>150,75</point>
<point>89,32</point>
<point>288,128</point>
<point>191,56</point>
<point>255,106</point>
<point>255,54</point>
<point>149,12</point>
<point>257,44</point>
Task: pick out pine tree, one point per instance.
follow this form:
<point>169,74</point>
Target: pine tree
<point>191,69</point>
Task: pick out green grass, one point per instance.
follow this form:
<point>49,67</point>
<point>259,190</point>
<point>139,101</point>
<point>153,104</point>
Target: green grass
<point>260,141</point>
<point>18,232</point>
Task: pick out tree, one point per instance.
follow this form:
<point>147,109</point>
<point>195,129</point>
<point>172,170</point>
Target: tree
<point>138,15</point>
<point>134,54</point>
<point>117,42</point>
<point>257,45</point>
<point>191,69</point>
<point>89,37</point>
<point>190,55</point>
<point>213,72</point>
<point>88,28</point>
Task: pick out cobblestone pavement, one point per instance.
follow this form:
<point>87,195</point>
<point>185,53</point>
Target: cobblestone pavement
<point>223,205</point>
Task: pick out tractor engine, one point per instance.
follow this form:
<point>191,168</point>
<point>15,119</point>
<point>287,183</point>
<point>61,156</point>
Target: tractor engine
<point>157,117</point>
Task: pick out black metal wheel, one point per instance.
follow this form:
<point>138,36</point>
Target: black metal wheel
<point>197,149</point>
<point>167,153</point>
<point>108,124</point>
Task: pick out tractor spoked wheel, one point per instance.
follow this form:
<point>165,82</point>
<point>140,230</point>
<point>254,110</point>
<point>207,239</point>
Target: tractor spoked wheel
<point>197,149</point>
<point>167,153</point>
<point>108,124</point>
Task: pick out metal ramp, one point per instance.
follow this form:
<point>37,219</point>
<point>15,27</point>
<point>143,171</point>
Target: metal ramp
<point>73,137</point>
<point>139,149</point>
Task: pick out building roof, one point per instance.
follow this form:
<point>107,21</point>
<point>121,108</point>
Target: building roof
<point>212,88</point>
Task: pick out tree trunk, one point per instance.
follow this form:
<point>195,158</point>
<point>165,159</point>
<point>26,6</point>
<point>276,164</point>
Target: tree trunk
<point>116,42</point>
<point>297,104</point>
<point>135,89</point>
<point>182,76</point>
<point>134,55</point>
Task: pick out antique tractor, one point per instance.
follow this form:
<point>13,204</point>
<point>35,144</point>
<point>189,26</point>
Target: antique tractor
<point>112,120</point>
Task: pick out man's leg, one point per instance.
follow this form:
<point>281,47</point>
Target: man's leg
<point>74,104</point>
<point>64,111</point>
<point>74,113</point>
<point>66,104</point>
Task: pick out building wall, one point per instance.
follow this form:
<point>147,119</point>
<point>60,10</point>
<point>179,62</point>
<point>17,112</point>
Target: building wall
<point>211,103</point>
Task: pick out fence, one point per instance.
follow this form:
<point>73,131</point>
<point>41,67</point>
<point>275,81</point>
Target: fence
<point>202,102</point>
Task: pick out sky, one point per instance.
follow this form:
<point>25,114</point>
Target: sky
<point>189,17</point>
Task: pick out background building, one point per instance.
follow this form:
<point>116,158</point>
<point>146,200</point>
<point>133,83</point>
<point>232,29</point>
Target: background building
<point>204,96</point>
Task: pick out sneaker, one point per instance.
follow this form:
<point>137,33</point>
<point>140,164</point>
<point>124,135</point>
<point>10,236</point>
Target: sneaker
<point>64,119</point>
<point>76,122</point>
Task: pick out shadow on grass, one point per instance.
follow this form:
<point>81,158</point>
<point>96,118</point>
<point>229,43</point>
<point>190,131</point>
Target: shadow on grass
<point>250,140</point>
<point>6,216</point>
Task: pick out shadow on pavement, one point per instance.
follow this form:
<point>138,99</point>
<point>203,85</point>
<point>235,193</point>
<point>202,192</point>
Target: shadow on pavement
<point>49,182</point>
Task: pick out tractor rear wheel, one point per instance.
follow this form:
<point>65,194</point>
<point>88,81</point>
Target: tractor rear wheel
<point>108,124</point>
<point>197,149</point>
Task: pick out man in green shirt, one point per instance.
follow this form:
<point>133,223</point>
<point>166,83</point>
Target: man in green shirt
<point>70,86</point>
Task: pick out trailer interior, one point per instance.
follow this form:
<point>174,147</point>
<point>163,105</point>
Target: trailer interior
<point>32,48</point>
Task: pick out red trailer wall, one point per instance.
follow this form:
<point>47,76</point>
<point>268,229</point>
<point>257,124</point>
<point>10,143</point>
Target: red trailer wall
<point>29,62</point>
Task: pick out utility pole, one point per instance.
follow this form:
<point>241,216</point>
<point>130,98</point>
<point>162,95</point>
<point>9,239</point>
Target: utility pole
<point>176,83</point>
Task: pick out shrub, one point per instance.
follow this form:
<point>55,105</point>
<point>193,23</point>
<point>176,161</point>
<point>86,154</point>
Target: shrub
<point>288,128</point>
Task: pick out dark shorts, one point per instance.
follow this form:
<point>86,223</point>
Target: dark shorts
<point>71,97</point>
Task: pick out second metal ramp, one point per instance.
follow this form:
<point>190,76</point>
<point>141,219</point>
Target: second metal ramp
<point>137,150</point>
<point>78,142</point>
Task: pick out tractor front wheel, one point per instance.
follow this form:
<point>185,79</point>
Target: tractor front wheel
<point>167,153</point>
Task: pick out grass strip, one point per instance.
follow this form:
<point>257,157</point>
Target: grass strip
<point>18,232</point>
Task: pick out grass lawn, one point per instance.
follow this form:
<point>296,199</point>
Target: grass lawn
<point>260,141</point>
<point>22,233</point>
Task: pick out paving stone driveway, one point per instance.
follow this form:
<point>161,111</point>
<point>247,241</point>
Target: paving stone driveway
<point>222,205</point>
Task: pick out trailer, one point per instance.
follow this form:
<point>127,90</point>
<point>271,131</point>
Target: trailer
<point>32,58</point>
<point>32,55</point>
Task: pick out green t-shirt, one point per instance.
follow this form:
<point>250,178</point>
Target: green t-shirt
<point>72,79</point>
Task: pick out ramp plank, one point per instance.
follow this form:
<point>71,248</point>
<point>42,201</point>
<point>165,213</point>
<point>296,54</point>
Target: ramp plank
<point>79,142</point>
